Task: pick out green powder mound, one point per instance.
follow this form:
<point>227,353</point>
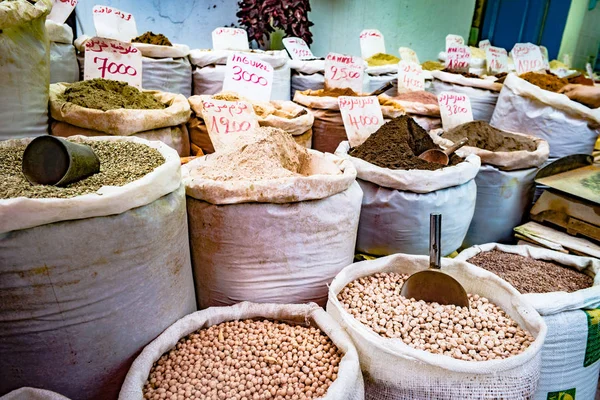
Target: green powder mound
<point>105,94</point>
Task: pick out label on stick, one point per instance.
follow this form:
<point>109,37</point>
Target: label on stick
<point>343,71</point>
<point>297,48</point>
<point>371,43</point>
<point>230,39</point>
<point>453,40</point>
<point>410,77</point>
<point>455,109</point>
<point>527,57</point>
<point>225,120</point>
<point>112,59</point>
<point>458,58</point>
<point>61,9</point>
<point>115,24</point>
<point>249,76</point>
<point>362,116</point>
<point>496,59</point>
<point>484,44</point>
<point>409,55</point>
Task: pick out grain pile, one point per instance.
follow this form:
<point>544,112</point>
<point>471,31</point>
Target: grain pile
<point>548,82</point>
<point>484,136</point>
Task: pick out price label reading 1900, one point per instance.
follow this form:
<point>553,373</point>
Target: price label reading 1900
<point>455,109</point>
<point>226,120</point>
<point>361,115</point>
<point>343,71</point>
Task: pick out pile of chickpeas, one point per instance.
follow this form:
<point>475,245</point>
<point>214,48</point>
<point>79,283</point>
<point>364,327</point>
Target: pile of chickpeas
<point>247,360</point>
<point>479,333</point>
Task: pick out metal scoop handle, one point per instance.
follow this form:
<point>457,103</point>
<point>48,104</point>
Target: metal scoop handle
<point>456,146</point>
<point>435,240</point>
<point>387,86</point>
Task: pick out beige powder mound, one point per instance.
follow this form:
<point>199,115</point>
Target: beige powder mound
<point>270,153</point>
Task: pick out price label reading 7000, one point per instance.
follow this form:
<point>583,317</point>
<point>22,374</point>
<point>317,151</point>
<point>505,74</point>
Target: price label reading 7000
<point>112,59</point>
<point>343,71</point>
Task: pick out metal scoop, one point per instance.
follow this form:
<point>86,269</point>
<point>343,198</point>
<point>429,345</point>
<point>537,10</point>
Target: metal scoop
<point>442,156</point>
<point>433,285</point>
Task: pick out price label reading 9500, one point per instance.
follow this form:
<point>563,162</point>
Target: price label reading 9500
<point>226,120</point>
<point>361,115</point>
<point>410,77</point>
<point>115,24</point>
<point>343,72</point>
<point>297,48</point>
<point>112,59</point>
<point>249,76</point>
<point>455,109</point>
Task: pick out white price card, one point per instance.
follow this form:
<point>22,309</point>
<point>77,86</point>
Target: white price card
<point>115,24</point>
<point>407,54</point>
<point>230,39</point>
<point>455,109</point>
<point>225,120</point>
<point>61,9</point>
<point>248,76</point>
<point>371,43</point>
<point>496,59</point>
<point>527,57</point>
<point>362,116</point>
<point>410,77</point>
<point>453,40</point>
<point>484,44</point>
<point>545,58</point>
<point>297,48</point>
<point>112,59</point>
<point>342,71</point>
<point>458,58</point>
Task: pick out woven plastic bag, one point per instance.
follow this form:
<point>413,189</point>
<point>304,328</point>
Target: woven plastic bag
<point>348,385</point>
<point>272,241</point>
<point>395,371</point>
<point>570,357</point>
<point>63,60</point>
<point>88,281</point>
<point>25,68</point>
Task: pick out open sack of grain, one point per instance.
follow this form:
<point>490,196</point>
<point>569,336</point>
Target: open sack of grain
<point>297,351</point>
<point>565,290</point>
<point>63,60</point>
<point>416,350</point>
<point>93,271</point>
<point>102,107</point>
<point>270,221</point>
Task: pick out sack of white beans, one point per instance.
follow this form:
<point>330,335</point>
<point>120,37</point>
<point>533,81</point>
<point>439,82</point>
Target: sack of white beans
<point>268,370</point>
<point>503,332</point>
<point>28,393</point>
<point>63,60</point>
<point>570,355</point>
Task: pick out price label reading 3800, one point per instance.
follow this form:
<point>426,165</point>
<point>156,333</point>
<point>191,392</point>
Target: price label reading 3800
<point>343,72</point>
<point>455,109</point>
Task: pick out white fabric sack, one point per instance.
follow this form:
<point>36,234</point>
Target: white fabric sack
<point>568,127</point>
<point>570,354</point>
<point>347,386</point>
<point>28,393</point>
<point>25,68</point>
<point>412,107</point>
<point>88,281</point>
<point>209,71</point>
<point>427,123</point>
<point>307,75</point>
<point>397,371</point>
<point>377,81</point>
<point>264,241</point>
<point>63,61</point>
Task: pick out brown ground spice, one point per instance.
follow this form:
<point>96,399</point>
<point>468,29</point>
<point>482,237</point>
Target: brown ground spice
<point>581,80</point>
<point>548,82</point>
<point>153,38</point>
<point>422,97</point>
<point>484,136</point>
<point>529,275</point>
<point>397,145</point>
<point>465,74</point>
<point>105,94</point>
<point>334,92</point>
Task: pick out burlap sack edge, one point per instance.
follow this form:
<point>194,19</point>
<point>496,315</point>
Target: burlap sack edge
<point>458,79</point>
<point>331,103</point>
<point>59,33</point>
<point>413,263</point>
<point>505,160</point>
<point>552,302</point>
<point>202,57</point>
<point>414,180</point>
<point>279,191</point>
<point>122,122</point>
<point>15,13</point>
<point>22,213</point>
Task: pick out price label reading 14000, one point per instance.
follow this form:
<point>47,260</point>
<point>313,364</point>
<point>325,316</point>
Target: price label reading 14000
<point>361,115</point>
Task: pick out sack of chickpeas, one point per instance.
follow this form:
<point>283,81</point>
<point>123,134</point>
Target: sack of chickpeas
<point>416,350</point>
<point>101,107</point>
<point>28,393</point>
<point>565,290</point>
<point>249,351</point>
<point>286,115</point>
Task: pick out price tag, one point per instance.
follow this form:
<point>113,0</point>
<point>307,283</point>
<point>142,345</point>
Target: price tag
<point>453,40</point>
<point>410,77</point>
<point>112,59</point>
<point>527,57</point>
<point>458,58</point>
<point>409,55</point>
<point>484,44</point>
<point>249,76</point>
<point>230,39</point>
<point>297,48</point>
<point>371,43</point>
<point>496,59</point>
<point>455,109</point>
<point>61,9</point>
<point>115,24</point>
<point>362,116</point>
<point>545,58</point>
<point>226,120</point>
<point>343,71</point>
